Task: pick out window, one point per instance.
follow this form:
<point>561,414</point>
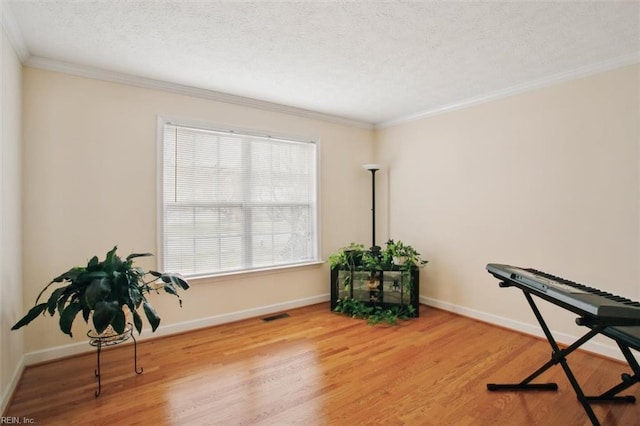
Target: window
<point>236,202</point>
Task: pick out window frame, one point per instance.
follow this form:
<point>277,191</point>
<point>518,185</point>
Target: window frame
<point>164,120</point>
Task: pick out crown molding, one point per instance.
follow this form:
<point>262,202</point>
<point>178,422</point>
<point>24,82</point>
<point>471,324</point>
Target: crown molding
<point>521,88</point>
<point>128,79</point>
<point>148,83</point>
<point>11,29</point>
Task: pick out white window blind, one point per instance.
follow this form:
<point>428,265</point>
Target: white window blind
<point>234,202</point>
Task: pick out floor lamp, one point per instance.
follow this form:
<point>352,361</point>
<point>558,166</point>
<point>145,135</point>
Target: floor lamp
<point>373,168</point>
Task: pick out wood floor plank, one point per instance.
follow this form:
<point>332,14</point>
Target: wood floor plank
<point>320,368</point>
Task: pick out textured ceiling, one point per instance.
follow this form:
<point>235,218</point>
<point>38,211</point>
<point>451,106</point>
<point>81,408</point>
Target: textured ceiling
<point>370,61</point>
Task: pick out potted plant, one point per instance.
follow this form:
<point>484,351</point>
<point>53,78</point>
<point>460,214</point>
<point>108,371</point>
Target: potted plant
<point>403,255</point>
<point>349,257</point>
<point>103,291</point>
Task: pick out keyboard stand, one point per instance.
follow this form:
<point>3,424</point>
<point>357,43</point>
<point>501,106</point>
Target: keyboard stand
<point>559,356</point>
<point>624,343</point>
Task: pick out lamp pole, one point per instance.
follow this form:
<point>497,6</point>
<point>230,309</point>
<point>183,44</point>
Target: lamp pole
<point>373,168</point>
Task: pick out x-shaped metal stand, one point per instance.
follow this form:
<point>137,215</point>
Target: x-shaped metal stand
<point>559,356</point>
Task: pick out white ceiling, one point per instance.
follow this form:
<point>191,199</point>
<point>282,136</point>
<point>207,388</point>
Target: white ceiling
<point>373,62</point>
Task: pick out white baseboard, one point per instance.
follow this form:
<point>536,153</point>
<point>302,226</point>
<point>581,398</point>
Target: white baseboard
<point>50,354</point>
<point>57,352</point>
<point>610,351</point>
<point>13,384</point>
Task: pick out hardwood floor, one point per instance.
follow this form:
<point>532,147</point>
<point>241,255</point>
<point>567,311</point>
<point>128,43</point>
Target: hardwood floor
<point>321,368</point>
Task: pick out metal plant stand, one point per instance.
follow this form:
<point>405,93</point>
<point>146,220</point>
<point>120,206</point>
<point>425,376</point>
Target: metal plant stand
<point>102,340</point>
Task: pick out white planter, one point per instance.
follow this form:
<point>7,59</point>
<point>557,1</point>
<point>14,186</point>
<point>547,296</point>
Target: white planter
<point>399,260</point>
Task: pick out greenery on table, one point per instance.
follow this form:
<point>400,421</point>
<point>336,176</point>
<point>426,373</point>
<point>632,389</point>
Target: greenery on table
<point>354,258</point>
<point>349,257</point>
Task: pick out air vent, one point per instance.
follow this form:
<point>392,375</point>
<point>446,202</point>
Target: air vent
<point>275,317</point>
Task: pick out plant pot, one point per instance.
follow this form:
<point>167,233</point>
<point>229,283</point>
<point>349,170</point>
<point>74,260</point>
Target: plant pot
<point>109,335</point>
<point>399,260</point>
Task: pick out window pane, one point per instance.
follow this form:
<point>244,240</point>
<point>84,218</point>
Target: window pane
<point>235,202</point>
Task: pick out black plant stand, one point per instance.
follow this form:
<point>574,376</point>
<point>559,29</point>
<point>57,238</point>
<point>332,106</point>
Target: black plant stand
<point>396,288</point>
<point>100,341</point>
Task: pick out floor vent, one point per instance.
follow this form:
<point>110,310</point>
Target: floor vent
<point>275,317</point>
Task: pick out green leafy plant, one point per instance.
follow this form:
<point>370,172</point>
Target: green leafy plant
<point>373,260</point>
<point>370,302</point>
<point>353,308</point>
<point>402,255</point>
<point>102,290</point>
<point>349,257</point>
<point>374,314</point>
<point>395,253</point>
<point>346,282</point>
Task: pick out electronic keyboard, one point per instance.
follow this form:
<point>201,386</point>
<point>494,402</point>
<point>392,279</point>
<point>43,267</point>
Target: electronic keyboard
<point>603,313</point>
<point>576,297</point>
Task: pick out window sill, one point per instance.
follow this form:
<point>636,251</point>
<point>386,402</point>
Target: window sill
<point>254,272</point>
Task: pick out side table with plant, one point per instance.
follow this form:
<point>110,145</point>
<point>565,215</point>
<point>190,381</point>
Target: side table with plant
<point>391,292</point>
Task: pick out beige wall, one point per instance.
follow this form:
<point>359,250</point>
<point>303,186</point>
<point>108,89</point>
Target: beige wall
<point>10,212</point>
<point>545,179</point>
<point>90,183</point>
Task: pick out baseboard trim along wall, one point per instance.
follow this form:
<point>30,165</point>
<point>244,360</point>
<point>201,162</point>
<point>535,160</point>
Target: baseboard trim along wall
<point>49,354</point>
<point>609,351</point>
<point>13,384</point>
<point>57,352</point>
